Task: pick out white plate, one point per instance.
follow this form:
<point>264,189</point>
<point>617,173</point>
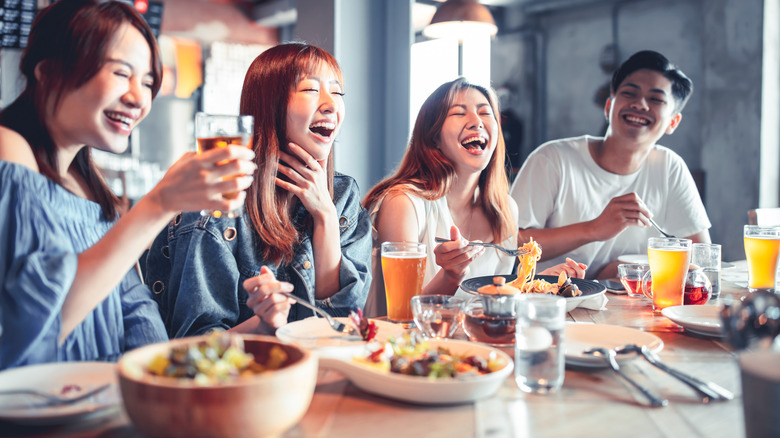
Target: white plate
<point>52,378</point>
<point>421,390</point>
<point>702,320</point>
<point>579,337</point>
<point>315,333</point>
<point>633,258</point>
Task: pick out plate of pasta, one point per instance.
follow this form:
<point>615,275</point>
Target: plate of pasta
<point>588,288</point>
<point>574,290</point>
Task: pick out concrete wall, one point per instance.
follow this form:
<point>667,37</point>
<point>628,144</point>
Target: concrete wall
<point>718,43</point>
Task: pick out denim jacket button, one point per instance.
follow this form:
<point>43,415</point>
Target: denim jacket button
<point>230,233</point>
<point>177,219</point>
<point>165,252</point>
<point>306,264</point>
<point>343,221</point>
<point>158,287</point>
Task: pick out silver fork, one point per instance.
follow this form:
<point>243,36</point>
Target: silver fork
<point>507,251</point>
<point>335,325</point>
<point>55,399</point>
<point>708,390</point>
<point>609,357</point>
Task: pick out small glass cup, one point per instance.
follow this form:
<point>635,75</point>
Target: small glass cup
<point>707,257</point>
<point>630,275</point>
<point>437,316</point>
<point>481,324</point>
<point>762,249</point>
<point>220,131</point>
<point>539,352</point>
<point>403,268</point>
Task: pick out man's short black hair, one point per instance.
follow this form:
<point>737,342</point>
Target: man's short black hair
<point>682,86</point>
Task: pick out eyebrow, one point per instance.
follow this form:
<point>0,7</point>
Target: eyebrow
<point>463,106</point>
<point>652,90</point>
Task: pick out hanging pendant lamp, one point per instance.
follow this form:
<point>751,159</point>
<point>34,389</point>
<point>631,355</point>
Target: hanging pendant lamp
<point>460,19</point>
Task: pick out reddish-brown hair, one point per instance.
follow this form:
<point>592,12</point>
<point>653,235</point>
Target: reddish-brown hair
<point>268,86</point>
<point>426,172</point>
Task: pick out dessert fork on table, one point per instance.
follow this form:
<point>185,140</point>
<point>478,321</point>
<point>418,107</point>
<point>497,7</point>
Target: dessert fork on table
<point>507,251</point>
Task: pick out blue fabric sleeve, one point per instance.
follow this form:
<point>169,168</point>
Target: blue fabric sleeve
<point>37,268</point>
<point>355,270</point>
<point>142,322</point>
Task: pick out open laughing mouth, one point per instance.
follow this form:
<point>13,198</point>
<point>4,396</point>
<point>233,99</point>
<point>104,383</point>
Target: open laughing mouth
<point>474,144</point>
<point>323,130</point>
<point>636,120</point>
<point>122,119</point>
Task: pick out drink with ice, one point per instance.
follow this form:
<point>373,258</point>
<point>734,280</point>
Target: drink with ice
<point>539,359</point>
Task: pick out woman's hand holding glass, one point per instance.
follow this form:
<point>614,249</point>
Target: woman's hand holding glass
<point>271,307</point>
<point>306,178</point>
<point>197,182</point>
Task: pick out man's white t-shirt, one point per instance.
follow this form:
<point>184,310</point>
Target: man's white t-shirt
<point>560,184</point>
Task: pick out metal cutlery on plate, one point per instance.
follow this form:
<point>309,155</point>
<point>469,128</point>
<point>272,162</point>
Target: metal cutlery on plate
<point>56,399</point>
<point>335,325</point>
<point>507,251</point>
<point>609,357</point>
<point>708,390</point>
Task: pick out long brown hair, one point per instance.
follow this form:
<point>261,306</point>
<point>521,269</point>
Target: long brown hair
<point>70,41</point>
<point>268,86</point>
<point>426,172</point>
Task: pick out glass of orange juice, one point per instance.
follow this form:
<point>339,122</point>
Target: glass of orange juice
<point>403,267</point>
<point>219,131</point>
<point>762,247</point>
<point>669,259</point>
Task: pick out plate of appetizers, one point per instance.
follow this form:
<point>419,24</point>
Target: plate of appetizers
<point>315,333</point>
<point>429,372</point>
<point>63,379</point>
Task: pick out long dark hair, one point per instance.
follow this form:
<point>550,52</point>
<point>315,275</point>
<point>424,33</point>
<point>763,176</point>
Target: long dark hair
<point>68,42</point>
<point>426,172</point>
<point>268,86</point>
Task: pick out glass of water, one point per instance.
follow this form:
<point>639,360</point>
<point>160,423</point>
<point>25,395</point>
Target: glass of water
<point>539,353</point>
<point>707,257</point>
<point>437,316</point>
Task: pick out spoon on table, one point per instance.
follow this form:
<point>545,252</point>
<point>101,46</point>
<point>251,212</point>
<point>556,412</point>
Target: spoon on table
<point>609,357</point>
<point>708,390</point>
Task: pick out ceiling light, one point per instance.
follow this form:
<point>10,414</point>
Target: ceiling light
<point>460,19</point>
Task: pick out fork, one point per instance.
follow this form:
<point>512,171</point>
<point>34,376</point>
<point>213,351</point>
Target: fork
<point>55,399</point>
<point>709,390</point>
<point>507,251</point>
<point>664,233</point>
<point>609,357</point>
<point>335,325</point>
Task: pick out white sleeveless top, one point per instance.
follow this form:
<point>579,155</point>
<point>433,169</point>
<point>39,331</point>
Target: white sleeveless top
<point>433,220</point>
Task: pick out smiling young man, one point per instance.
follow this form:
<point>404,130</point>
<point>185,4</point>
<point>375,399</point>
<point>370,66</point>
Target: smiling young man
<point>588,198</point>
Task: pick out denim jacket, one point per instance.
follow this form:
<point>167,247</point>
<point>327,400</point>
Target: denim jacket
<point>196,267</point>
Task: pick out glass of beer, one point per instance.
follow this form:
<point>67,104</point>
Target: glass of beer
<point>403,267</point>
<point>762,247</point>
<point>219,131</point>
<point>669,259</point>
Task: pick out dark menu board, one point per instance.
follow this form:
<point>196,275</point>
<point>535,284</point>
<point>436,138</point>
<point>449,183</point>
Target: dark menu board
<point>17,17</point>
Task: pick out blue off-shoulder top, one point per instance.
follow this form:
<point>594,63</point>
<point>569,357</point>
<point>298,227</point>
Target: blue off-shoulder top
<point>43,228</point>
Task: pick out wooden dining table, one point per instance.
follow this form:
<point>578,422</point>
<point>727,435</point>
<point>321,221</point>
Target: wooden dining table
<point>593,402</point>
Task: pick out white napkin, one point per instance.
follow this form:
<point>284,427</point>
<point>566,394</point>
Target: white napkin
<point>599,302</point>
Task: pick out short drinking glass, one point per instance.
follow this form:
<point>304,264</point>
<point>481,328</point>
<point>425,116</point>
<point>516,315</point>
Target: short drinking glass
<point>403,268</point>
<point>437,316</point>
<point>707,257</point>
<point>630,275</point>
<point>539,353</point>
<point>219,131</point>
<point>762,247</point>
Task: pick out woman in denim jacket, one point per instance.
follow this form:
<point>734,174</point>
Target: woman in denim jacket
<point>303,229</point>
